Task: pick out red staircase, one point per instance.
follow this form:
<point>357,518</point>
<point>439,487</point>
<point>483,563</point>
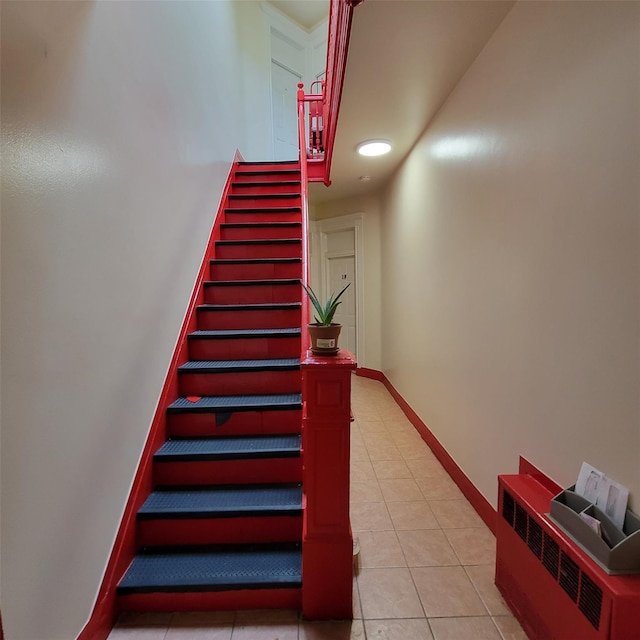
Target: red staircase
<point>223,514</point>
<point>222,527</point>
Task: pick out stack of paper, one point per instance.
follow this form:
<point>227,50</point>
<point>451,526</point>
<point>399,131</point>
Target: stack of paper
<point>607,494</point>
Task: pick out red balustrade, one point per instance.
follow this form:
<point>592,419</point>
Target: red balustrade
<point>327,544</point>
<point>323,107</point>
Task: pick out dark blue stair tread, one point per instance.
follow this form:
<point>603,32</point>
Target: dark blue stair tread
<point>264,210</point>
<point>212,334</point>
<point>216,261</point>
<point>260,225</point>
<point>257,196</point>
<point>223,502</point>
<point>266,183</point>
<point>228,404</point>
<point>227,366</point>
<point>260,241</point>
<point>262,172</point>
<point>205,570</point>
<point>251,283</point>
<point>247,447</point>
<point>261,306</point>
<point>257,163</point>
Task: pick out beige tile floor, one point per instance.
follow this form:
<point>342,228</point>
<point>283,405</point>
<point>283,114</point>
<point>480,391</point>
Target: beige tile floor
<point>425,567</point>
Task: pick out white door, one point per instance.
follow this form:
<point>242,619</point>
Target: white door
<point>284,99</point>
<point>341,271</point>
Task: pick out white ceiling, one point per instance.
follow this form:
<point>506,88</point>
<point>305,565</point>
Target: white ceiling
<point>405,58</point>
<point>307,13</point>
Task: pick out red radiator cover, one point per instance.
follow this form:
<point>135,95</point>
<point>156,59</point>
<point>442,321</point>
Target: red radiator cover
<point>553,587</point>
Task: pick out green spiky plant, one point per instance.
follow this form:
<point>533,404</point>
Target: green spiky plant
<point>324,313</point>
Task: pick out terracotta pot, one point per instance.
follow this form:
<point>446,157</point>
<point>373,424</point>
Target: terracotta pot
<point>324,339</point>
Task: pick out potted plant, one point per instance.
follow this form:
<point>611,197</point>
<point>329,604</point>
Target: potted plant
<point>324,332</point>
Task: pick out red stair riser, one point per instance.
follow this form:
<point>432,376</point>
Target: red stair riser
<point>262,202</point>
<point>211,472</point>
<point>239,383</point>
<point>257,271</point>
<point>260,233</point>
<point>241,423</point>
<point>204,531</point>
<point>273,319</point>
<point>261,216</point>
<point>268,166</point>
<point>248,294</point>
<point>244,348</point>
<point>212,600</point>
<point>246,251</point>
<point>259,190</point>
<point>241,176</point>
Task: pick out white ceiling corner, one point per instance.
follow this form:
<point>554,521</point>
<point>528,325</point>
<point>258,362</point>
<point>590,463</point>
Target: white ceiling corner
<point>306,13</point>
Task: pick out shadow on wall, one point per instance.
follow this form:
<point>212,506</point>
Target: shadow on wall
<point>27,30</point>
<point>40,44</point>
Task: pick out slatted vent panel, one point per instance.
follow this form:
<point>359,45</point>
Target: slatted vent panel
<point>590,600</point>
<point>551,556</point>
<point>534,540</point>
<point>569,576</point>
<point>508,508</point>
<point>578,586</point>
<point>521,522</point>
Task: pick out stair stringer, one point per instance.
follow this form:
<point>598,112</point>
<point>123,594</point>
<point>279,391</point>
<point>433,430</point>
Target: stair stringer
<point>104,613</point>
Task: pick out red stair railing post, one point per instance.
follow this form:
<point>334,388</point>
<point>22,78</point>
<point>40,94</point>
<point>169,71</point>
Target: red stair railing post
<point>304,194</point>
<point>327,546</point>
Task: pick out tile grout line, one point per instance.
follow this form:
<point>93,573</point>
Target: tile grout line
<point>385,502</point>
<point>441,528</point>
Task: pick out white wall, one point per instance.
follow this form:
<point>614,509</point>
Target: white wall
<point>510,252</point>
<point>120,121</point>
<point>370,280</point>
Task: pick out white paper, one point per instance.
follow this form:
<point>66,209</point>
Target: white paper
<point>590,480</point>
<point>605,493</point>
<point>613,499</point>
<point>593,523</point>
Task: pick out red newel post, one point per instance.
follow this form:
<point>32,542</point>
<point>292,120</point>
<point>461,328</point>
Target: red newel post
<point>327,547</point>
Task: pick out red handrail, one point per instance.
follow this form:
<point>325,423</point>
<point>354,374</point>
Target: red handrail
<point>340,18</point>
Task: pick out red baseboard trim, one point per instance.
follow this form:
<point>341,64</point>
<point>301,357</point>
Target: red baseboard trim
<point>370,373</point>
<point>478,501</point>
<point>105,612</point>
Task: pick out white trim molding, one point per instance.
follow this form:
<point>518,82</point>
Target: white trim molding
<point>318,245</point>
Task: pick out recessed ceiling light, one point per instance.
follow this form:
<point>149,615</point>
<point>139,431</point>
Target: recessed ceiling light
<point>374,147</point>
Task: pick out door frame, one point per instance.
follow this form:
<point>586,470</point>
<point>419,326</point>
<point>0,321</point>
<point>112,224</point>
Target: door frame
<point>293,72</point>
<point>319,262</point>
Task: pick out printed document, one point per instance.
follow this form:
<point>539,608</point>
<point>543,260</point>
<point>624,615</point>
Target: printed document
<point>605,493</point>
